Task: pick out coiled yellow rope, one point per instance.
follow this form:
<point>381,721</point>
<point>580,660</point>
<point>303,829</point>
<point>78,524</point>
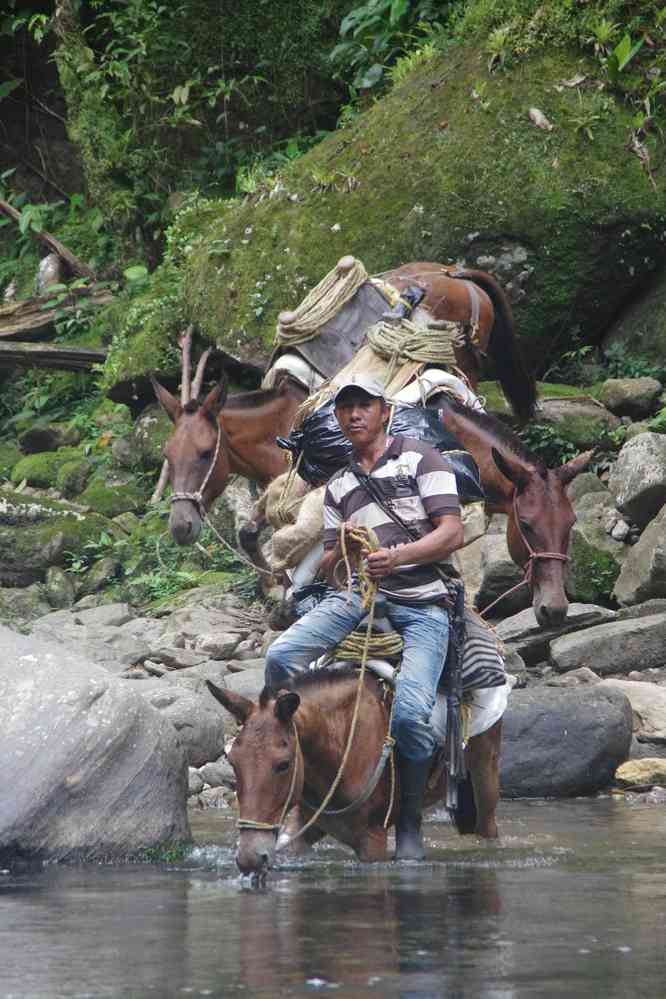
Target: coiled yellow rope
<point>320,305</point>
<point>403,341</point>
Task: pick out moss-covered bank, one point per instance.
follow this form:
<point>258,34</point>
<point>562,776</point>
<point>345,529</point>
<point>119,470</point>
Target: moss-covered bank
<point>432,171</point>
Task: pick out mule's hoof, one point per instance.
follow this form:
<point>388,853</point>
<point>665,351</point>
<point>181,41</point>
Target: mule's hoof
<point>409,845</point>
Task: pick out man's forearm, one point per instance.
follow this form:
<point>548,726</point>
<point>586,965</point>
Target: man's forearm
<point>434,547</point>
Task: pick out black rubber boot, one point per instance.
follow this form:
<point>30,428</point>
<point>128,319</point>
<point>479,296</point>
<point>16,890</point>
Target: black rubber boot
<point>408,837</point>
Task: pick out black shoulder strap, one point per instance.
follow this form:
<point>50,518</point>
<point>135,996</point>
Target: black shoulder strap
<point>371,488</point>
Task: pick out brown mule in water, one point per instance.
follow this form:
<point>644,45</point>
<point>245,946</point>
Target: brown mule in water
<point>209,443</point>
<point>288,753</point>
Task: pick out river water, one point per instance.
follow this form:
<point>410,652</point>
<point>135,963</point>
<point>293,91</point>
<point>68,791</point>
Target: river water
<point>572,902</point>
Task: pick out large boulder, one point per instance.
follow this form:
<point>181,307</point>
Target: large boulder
<point>561,743</point>
<point>635,397</point>
<point>648,705</point>
<point>643,573</point>
<point>195,715</point>
<point>638,477</point>
<point>640,331</point>
<point>523,634</point>
<point>615,648</point>
<point>89,769</point>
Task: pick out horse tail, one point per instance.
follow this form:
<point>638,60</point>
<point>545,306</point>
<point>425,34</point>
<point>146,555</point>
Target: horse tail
<point>517,382</point>
<point>464,816</point>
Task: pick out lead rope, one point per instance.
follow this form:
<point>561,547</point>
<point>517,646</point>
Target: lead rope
<point>368,542</point>
<point>528,568</point>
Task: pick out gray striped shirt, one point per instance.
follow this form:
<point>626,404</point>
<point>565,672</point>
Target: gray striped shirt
<point>417,482</point>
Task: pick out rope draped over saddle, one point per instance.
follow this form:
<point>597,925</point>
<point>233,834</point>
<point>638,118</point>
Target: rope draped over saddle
<point>321,304</point>
<point>402,340</point>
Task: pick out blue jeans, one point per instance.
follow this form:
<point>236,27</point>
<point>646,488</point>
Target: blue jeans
<point>425,633</point>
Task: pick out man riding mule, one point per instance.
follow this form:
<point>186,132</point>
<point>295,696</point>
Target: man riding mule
<point>415,483</point>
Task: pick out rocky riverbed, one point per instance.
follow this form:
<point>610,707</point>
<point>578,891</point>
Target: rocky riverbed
<point>108,731</point>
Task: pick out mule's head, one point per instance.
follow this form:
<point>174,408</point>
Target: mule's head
<point>268,767</point>
<point>541,523</point>
<point>198,457</point>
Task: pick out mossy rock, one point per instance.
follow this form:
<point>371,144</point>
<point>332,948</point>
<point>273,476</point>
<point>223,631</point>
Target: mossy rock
<point>595,558</point>
<point>20,606</point>
<point>579,421</point>
<point>430,173</point>
<point>41,470</point>
<point>113,498</point>
<point>72,477</point>
<point>496,404</point>
<point>10,454</point>
<point>148,436</point>
<point>37,533</point>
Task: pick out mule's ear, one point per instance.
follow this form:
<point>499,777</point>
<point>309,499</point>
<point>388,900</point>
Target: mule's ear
<point>216,398</point>
<point>567,473</point>
<point>511,468</point>
<point>237,705</point>
<point>286,705</point>
<point>168,402</point>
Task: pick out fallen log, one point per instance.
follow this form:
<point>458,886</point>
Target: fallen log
<point>31,317</point>
<point>75,265</point>
<point>47,355</point>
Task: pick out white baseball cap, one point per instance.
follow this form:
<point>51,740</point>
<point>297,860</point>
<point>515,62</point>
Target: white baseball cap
<point>366,383</point>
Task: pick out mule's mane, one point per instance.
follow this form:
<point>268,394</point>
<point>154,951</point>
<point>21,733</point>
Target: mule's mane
<point>317,679</point>
<point>505,437</point>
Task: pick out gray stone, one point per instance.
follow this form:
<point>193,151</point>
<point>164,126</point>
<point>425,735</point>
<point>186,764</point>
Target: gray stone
<point>643,574</point>
<point>586,482</point>
<point>176,658</point>
<point>20,606</point>
<point>620,530</point>
<point>89,770</point>
<point>195,782</point>
<point>523,634</point>
<point>634,429</point>
<point>213,797</point>
<point>107,616</point>
<point>218,644</point>
<point>59,587</point>
<point>218,773</point>
<point>638,478</point>
<point>582,677</point>
<point>100,575</point>
<point>498,574</point>
<point>123,453</point>
<point>195,715</point>
<point>561,743</point>
<point>656,606</point>
<point>648,705</point>
<point>635,397</point>
<point>148,436</point>
<point>614,648</point>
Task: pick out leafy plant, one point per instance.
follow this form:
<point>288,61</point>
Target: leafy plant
<point>376,33</point>
<point>545,441</point>
<point>621,363</point>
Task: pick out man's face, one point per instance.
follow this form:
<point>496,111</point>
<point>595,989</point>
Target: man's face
<point>361,416</point>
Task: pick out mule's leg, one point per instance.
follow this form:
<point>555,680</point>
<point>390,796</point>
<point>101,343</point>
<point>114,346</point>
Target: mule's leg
<point>371,848</point>
<point>299,845</point>
<point>483,753</point>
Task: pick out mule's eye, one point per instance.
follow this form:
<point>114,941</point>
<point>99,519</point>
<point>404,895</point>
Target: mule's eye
<point>206,455</point>
<point>524,526</point>
<point>282,767</point>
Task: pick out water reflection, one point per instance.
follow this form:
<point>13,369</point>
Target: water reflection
<point>573,903</point>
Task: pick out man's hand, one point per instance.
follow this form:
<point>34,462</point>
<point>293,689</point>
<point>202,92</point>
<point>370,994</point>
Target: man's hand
<point>382,562</point>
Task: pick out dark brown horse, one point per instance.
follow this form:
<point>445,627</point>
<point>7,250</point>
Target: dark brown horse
<point>210,442</point>
<point>289,750</point>
<point>477,301</point>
